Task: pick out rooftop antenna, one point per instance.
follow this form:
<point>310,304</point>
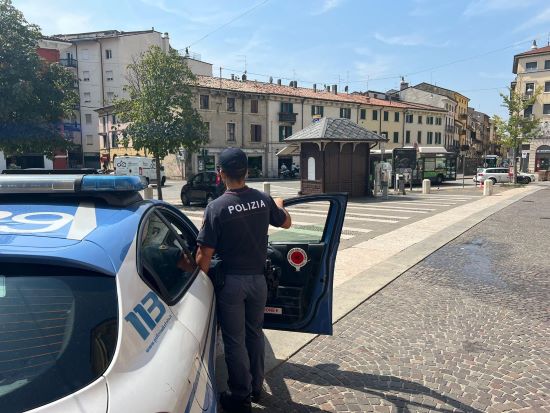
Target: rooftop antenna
<point>244,57</point>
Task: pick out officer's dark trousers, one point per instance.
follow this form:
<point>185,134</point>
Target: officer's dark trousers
<point>241,304</point>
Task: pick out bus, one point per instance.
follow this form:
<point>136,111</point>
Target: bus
<point>491,161</point>
<point>424,162</point>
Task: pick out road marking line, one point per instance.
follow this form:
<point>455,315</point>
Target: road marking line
<point>351,229</point>
<point>349,218</point>
<point>292,209</point>
<point>391,209</point>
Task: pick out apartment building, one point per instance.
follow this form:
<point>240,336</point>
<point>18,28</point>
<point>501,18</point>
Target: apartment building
<point>258,116</point>
<point>479,130</point>
<point>532,70</point>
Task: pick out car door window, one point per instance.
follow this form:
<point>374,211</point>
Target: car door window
<point>197,180</point>
<point>165,260</point>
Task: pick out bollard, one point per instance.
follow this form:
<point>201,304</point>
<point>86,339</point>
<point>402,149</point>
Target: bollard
<point>488,188</point>
<point>267,188</point>
<point>426,186</point>
<point>148,193</point>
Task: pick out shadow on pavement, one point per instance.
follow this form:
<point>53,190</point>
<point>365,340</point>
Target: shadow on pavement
<point>407,396</point>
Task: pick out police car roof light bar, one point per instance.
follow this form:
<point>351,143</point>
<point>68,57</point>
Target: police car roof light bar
<point>58,184</point>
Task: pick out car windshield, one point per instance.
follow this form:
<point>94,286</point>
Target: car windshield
<point>58,331</point>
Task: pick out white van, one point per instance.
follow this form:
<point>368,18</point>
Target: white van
<point>139,165</point>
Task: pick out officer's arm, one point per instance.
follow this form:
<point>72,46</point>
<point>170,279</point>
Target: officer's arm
<point>204,256</point>
<point>288,220</point>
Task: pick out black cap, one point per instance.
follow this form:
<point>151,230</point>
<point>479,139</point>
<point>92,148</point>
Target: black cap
<point>233,160</point>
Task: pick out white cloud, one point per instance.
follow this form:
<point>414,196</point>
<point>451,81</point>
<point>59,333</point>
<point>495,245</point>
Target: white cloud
<point>479,7</point>
<point>53,20</point>
<point>327,6</point>
<point>541,18</point>
<point>408,40</point>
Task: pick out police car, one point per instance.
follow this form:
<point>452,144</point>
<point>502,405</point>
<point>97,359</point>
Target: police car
<point>102,307</point>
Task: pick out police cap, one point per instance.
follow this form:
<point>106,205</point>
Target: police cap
<point>233,161</point>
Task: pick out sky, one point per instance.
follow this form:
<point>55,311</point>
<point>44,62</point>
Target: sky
<point>464,45</point>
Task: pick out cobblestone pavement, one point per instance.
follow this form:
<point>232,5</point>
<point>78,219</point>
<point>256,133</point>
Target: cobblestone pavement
<point>466,330</point>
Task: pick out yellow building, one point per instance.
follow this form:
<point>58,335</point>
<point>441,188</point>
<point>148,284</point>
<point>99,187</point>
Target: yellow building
<point>532,70</point>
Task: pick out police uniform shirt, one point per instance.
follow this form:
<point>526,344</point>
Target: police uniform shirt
<point>236,225</point>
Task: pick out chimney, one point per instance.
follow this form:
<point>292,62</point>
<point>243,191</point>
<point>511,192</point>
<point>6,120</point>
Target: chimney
<point>270,79</point>
<point>295,84</point>
<point>346,89</point>
<point>232,76</point>
<point>328,88</point>
<point>403,84</point>
<point>165,35</point>
<point>278,81</point>
<point>335,89</point>
<point>534,45</point>
<point>315,87</point>
<point>243,77</point>
<point>291,84</point>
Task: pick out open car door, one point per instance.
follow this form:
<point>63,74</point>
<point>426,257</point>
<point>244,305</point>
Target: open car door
<point>302,261</point>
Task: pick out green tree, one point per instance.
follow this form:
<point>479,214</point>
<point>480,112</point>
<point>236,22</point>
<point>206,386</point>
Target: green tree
<point>518,128</point>
<point>159,111</point>
<point>35,95</point>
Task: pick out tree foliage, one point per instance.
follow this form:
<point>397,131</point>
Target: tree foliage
<point>35,95</point>
<point>159,110</point>
<point>518,128</point>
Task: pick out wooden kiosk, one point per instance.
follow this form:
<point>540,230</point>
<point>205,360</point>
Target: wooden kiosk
<point>334,156</point>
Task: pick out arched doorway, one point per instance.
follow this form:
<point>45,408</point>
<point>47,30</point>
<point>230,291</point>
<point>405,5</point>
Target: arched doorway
<point>542,158</point>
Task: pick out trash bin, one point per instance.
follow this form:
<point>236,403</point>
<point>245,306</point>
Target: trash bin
<point>401,184</point>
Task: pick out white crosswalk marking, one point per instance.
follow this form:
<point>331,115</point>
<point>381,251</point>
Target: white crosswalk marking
<point>350,218</point>
<point>392,209</point>
<point>324,211</point>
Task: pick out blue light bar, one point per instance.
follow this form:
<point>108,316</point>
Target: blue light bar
<point>112,183</point>
<point>48,184</point>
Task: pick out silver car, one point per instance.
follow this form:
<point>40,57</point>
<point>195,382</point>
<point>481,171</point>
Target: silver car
<point>497,175</point>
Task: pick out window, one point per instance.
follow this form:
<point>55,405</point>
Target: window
<point>256,133</point>
<point>438,121</point>
<point>86,76</point>
<point>546,109</point>
<point>287,107</point>
<point>345,113</point>
<point>113,119</point>
<point>108,54</point>
<point>529,88</point>
<point>231,132</point>
<point>385,135</point>
<point>88,118</point>
<point>528,111</point>
<point>419,119</point>
<point>408,136</point>
<point>231,104</point>
<point>114,140</point>
<point>419,137</point>
<point>438,138</point>
<point>165,260</point>
<point>409,118</point>
<point>89,139</point>
<point>396,137</point>
<point>311,168</point>
<point>429,120</point>
<point>374,115</point>
<point>59,318</point>
<point>109,75</point>
<point>531,66</point>
<point>396,117</point>
<point>547,64</point>
<point>363,114</point>
<point>87,97</point>
<point>317,110</point>
<point>254,106</point>
<point>110,96</point>
<point>547,87</point>
<point>430,137</point>
<point>204,102</point>
<point>284,132</point>
<point>386,115</point>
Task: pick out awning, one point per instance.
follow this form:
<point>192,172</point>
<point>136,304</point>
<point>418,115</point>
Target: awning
<point>290,150</point>
<point>432,149</point>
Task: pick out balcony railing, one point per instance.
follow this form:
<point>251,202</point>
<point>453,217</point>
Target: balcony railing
<point>68,62</point>
<point>287,117</point>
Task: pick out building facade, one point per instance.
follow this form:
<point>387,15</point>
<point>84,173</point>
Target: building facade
<point>532,70</point>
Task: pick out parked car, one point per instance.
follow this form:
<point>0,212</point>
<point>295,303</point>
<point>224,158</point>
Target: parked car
<point>201,188</point>
<point>104,308</point>
<point>497,175</point>
<point>139,166</point>
<point>525,177</point>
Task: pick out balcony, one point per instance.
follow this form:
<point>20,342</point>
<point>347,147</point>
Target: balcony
<point>463,116</point>
<point>71,127</point>
<point>287,117</point>
<point>68,62</point>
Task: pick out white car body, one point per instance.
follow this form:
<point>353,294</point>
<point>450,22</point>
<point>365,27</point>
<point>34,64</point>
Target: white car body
<point>138,166</point>
<point>497,175</point>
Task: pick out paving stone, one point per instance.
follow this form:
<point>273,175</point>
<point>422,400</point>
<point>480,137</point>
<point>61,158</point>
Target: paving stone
<point>465,330</point>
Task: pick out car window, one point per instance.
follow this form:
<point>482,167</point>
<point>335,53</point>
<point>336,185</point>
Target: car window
<point>211,179</point>
<point>58,329</point>
<point>165,260</point>
<point>197,179</point>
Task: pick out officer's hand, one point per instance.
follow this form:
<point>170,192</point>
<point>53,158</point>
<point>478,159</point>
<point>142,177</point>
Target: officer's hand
<point>279,202</point>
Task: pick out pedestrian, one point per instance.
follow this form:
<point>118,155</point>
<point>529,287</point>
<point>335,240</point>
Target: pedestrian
<point>220,187</point>
<point>235,227</point>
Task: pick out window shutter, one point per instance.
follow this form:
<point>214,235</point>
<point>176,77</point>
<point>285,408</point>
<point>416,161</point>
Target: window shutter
<point>312,110</point>
<point>281,133</point>
<point>322,109</point>
<point>291,108</point>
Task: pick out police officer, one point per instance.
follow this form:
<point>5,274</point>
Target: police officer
<point>235,228</point>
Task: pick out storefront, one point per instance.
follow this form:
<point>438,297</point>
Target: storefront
<point>542,158</point>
